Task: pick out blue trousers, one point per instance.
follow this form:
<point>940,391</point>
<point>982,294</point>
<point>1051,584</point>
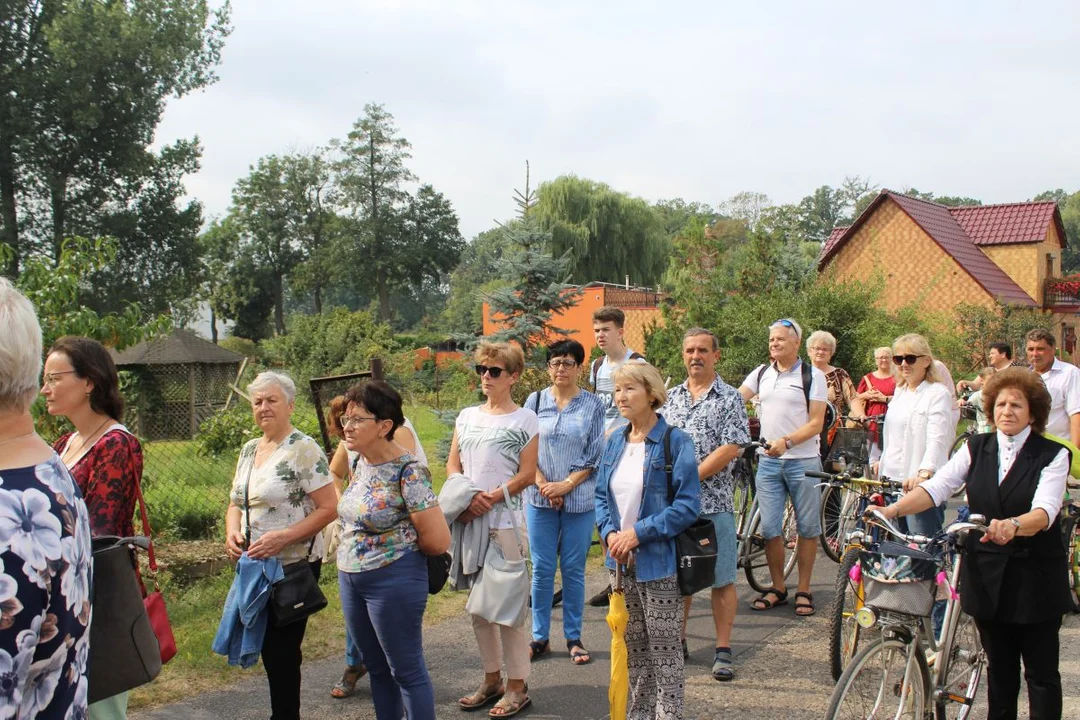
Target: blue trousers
<point>384,611</point>
<point>558,538</point>
<point>353,656</point>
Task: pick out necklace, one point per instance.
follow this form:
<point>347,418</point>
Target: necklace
<point>68,455</point>
<point>17,437</point>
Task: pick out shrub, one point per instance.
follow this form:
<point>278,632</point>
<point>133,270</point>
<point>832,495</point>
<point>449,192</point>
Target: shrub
<point>333,343</point>
<point>239,345</point>
<point>226,431</point>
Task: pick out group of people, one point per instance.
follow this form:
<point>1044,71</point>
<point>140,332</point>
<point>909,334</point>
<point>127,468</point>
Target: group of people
<point>631,460</point>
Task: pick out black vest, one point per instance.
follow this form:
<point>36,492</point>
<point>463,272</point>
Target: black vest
<point>1024,581</point>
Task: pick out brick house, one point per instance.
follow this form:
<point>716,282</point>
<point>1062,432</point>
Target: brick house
<point>938,256</point>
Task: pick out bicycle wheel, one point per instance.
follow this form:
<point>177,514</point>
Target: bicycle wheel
<point>843,630</point>
<point>754,563</point>
<point>743,493</point>
<point>961,676</point>
<point>837,520</point>
<point>881,683</point>
<point>1071,529</point>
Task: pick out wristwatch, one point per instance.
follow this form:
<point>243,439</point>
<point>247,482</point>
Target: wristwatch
<point>1015,523</point>
<point>926,474</point>
<point>787,443</point>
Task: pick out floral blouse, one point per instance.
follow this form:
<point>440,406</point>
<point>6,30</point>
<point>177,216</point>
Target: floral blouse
<point>279,492</point>
<point>106,476</point>
<point>45,571</point>
<point>374,511</point>
<point>841,389</point>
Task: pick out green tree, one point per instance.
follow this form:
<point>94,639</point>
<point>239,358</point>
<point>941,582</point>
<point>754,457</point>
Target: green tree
<point>608,234</point>
<point>478,273</point>
<point>978,326</point>
<point>1069,207</point>
<point>747,206</point>
<point>820,212</point>
<point>676,214</point>
<point>84,87</point>
<point>336,342</point>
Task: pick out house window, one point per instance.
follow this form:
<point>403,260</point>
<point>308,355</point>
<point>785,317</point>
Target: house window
<point>1049,264</point>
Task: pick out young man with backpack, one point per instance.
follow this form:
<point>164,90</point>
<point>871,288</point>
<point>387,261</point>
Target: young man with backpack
<point>608,325</point>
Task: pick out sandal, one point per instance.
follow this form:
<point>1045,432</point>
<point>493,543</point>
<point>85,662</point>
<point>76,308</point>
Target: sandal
<point>578,658</point>
<point>346,686</point>
<point>483,695</point>
<point>510,705</point>
<point>723,669</point>
<point>538,648</point>
<point>763,602</point>
<point>805,609</point>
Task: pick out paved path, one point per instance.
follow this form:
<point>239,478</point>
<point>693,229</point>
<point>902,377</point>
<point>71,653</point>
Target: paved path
<point>559,689</point>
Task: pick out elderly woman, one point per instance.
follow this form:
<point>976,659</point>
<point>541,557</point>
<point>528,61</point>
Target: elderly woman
<point>1013,582</point>
<point>45,560</point>
<point>639,515</point>
<point>560,506</point>
<point>281,499</point>
<point>919,427</point>
<point>872,396</point>
<point>82,385</point>
<point>820,347</point>
<point>390,520</point>
<point>495,446</point>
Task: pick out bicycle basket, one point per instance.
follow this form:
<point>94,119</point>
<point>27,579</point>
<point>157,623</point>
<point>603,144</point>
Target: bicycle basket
<point>851,445</point>
<point>899,579</point>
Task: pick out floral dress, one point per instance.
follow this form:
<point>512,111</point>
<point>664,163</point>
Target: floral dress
<point>45,571</point>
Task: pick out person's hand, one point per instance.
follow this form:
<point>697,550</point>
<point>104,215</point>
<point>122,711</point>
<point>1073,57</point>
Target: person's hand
<point>961,386</point>
<point>480,504</point>
<point>466,517</point>
<point>999,532</point>
<point>875,468</point>
<point>557,502</point>
<point>876,508</point>
<point>553,490</point>
<point>776,448</point>
<point>911,483</point>
<point>234,544</point>
<point>268,545</point>
<point>622,544</point>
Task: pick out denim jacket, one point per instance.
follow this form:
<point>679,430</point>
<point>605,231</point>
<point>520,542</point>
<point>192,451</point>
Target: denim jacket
<point>243,623</point>
<point>662,514</point>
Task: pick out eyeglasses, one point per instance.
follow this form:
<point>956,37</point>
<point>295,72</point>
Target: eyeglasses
<point>562,364</point>
<point>494,372</point>
<point>909,359</point>
<point>347,420</point>
<point>54,377</point>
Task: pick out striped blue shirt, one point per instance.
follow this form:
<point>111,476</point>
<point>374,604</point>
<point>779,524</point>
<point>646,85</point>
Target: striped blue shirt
<point>570,440</point>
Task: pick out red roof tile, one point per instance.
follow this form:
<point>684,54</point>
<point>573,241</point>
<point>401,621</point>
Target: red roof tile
<point>938,222</point>
<point>1010,223</point>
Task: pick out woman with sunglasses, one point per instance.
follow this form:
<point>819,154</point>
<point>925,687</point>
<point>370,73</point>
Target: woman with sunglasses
<point>560,507</point>
<point>495,446</point>
<point>919,427</point>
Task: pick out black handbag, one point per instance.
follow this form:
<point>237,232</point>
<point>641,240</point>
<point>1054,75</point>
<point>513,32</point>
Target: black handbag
<point>296,595</point>
<point>695,547</point>
<point>124,651</point>
<point>438,566</point>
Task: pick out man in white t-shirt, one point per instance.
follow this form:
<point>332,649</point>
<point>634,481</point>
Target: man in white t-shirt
<point>608,325</point>
<point>1062,379</point>
<point>793,396</point>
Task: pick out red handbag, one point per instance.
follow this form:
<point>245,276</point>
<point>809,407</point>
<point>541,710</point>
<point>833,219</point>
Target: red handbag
<point>154,602</point>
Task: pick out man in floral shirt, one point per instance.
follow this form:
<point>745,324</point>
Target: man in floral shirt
<point>713,414</point>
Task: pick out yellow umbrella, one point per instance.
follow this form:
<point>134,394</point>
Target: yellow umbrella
<point>617,618</point>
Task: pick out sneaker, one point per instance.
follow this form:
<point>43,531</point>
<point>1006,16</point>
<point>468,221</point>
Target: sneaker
<point>601,599</point>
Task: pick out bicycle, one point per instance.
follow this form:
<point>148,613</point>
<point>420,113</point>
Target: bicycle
<point>891,677</point>
<point>848,455</point>
<point>1070,529</point>
<point>750,550</point>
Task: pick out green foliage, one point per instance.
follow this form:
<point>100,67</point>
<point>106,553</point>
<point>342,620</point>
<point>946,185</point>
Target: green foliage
<point>241,346</point>
<point>1069,207</point>
<point>478,273</point>
<point>334,343</point>
<point>226,431</point>
<point>976,327</point>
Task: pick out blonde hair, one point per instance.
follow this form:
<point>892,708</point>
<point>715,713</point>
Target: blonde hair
<point>822,337</point>
<point>509,355</point>
<point>918,346</point>
<point>886,348</point>
<point>646,375</point>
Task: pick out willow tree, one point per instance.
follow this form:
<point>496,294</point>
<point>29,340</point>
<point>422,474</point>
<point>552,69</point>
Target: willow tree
<point>608,234</point>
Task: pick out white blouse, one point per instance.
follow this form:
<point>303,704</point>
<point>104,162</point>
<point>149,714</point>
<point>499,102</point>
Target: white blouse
<point>919,430</point>
<point>627,484</point>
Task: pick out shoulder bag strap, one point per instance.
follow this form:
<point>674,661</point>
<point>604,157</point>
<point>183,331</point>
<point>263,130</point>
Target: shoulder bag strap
<point>807,380</point>
<point>513,521</point>
<point>596,369</point>
<point>247,504</point>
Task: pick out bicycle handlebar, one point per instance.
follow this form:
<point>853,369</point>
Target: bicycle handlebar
<point>841,478</point>
<point>975,522</point>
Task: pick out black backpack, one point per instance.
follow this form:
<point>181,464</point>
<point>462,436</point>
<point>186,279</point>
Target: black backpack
<point>600,361</point>
<point>807,378</point>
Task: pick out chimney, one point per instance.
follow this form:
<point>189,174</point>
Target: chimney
<point>628,282</point>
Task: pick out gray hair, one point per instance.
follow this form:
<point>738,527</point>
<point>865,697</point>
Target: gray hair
<point>264,380</point>
<point>696,331</point>
<point>823,337</point>
<point>20,348</point>
<point>791,325</point>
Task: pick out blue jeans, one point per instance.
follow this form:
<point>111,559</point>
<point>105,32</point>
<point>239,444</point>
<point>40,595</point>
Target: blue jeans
<point>928,522</point>
<point>775,479</point>
<point>353,656</point>
<point>563,538</point>
<point>384,611</point>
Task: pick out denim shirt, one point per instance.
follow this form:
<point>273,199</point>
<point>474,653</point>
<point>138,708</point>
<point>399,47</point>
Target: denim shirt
<point>662,515</point>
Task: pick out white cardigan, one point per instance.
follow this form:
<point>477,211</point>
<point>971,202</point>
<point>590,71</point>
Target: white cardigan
<point>923,442</point>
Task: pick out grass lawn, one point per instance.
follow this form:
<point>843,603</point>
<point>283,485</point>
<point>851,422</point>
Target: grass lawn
<point>195,609</point>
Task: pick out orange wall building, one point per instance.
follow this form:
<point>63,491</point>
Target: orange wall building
<point>641,306</point>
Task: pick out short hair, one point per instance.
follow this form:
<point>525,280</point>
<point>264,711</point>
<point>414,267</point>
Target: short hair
<point>696,331</point>
<point>379,399</point>
<point>1041,334</point>
<point>20,349</point>
<point>566,347</point>
<point>822,336</point>
<point>334,411</point>
<point>790,325</point>
<point>920,346</point>
<point>91,361</point>
<point>1003,348</point>
<point>268,378</point>
<point>509,355</point>
<point>986,372</point>
<point>648,376</point>
<point>1028,383</point>
<point>886,348</point>
<point>610,314</point>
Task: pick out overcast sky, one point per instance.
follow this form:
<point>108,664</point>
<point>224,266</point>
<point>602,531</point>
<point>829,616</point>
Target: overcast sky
<point>698,100</point>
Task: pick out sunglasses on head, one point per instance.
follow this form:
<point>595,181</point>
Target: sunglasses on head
<point>909,359</point>
<point>494,372</point>
<point>785,323</point>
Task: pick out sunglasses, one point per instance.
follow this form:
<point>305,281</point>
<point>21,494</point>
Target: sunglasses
<point>909,359</point>
<point>494,372</point>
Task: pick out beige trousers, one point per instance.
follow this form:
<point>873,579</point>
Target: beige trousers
<point>499,643</point>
